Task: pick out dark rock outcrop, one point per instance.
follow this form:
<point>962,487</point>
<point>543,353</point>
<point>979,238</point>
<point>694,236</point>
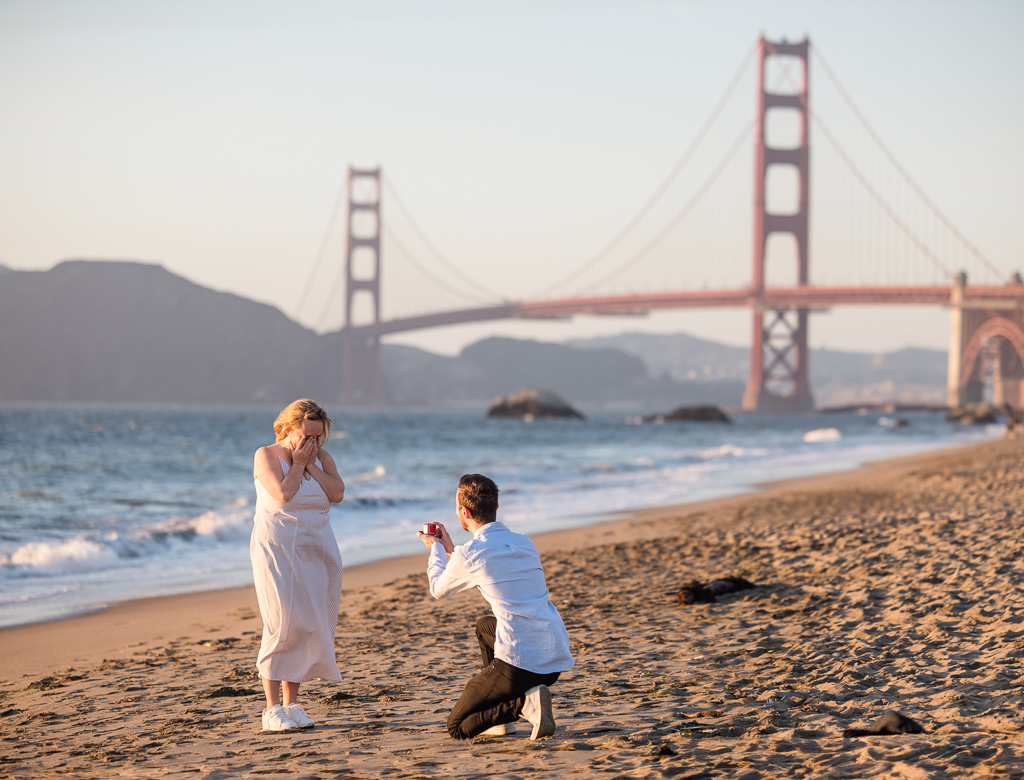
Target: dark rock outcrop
<point>691,413</point>
<point>979,413</point>
<point>531,403</point>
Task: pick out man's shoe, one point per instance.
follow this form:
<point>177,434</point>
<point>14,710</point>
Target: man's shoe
<point>537,710</point>
<point>500,730</point>
<point>276,718</point>
<point>297,714</point>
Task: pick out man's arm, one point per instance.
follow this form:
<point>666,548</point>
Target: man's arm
<point>447,575</point>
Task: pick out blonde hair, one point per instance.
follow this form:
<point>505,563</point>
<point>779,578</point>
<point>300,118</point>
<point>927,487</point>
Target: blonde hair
<point>297,411</point>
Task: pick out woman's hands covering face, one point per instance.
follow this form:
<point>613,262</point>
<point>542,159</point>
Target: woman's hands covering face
<point>304,448</point>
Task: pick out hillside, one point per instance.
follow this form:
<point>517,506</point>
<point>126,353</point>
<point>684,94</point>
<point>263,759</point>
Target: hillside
<point>92,331</point>
<point>120,331</point>
<point>838,378</point>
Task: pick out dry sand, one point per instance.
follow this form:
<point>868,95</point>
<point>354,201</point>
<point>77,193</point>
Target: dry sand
<point>897,587</point>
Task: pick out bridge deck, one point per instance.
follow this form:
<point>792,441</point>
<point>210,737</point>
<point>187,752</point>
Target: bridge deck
<point>995,297</point>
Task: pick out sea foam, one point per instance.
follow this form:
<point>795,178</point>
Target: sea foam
<point>74,554</point>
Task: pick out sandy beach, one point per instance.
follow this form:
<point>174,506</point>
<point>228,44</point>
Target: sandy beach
<point>893,588</point>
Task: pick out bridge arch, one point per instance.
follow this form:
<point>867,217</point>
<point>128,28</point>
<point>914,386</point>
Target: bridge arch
<point>1011,335</point>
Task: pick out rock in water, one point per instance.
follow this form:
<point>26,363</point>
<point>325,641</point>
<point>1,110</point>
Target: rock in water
<point>979,413</point>
<point>531,403</point>
<point>698,413</point>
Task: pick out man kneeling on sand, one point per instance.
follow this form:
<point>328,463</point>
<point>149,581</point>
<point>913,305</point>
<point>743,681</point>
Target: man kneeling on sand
<point>524,644</point>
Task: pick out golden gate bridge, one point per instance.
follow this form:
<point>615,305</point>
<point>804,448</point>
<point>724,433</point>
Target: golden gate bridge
<point>986,320</point>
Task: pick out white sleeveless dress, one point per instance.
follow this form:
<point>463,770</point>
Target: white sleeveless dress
<point>297,568</point>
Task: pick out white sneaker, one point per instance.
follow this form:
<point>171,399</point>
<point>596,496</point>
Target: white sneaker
<point>276,719</point>
<point>297,714</point>
<point>500,730</point>
<point>537,710</point>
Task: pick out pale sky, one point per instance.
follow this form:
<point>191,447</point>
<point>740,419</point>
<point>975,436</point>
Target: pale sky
<point>213,137</point>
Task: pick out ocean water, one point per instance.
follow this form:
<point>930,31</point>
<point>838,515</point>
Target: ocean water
<point>100,504</point>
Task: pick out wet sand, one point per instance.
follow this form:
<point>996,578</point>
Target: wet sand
<point>895,587</point>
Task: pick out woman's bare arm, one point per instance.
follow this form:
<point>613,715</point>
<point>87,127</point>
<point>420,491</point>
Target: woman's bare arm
<point>328,477</point>
<point>267,469</point>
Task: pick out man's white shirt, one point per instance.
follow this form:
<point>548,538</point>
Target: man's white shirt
<point>506,568</point>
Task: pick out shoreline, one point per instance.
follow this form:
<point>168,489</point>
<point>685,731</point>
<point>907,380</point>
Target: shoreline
<point>173,548</point>
<point>123,627</point>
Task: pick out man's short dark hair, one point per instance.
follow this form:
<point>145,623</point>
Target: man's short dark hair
<point>479,495</point>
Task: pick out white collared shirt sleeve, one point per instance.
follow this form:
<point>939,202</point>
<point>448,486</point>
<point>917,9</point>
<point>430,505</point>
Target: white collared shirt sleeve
<point>447,575</point>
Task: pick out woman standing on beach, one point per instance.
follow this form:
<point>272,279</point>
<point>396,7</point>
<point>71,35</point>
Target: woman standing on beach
<point>295,561</point>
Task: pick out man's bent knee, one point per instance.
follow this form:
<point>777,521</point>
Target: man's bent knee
<point>455,730</point>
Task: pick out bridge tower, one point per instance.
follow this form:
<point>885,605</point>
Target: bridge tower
<point>986,343</point>
<point>778,379</point>
<point>361,378</point>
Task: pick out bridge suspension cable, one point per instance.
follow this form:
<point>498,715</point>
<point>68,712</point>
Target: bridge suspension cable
<point>393,238</point>
<point>877,197</point>
<point>393,196</point>
<point>871,190</point>
<point>333,295</point>
<point>660,190</point>
<point>319,257</point>
<point>684,211</point>
<point>902,171</point>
